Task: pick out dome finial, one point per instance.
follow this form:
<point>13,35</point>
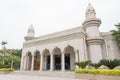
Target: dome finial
<point>30,33</point>
<point>90,12</point>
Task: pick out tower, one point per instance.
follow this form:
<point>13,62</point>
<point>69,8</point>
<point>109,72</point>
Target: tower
<point>30,33</point>
<point>94,41</point>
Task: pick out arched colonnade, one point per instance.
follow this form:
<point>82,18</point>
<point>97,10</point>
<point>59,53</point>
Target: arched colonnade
<point>51,60</point>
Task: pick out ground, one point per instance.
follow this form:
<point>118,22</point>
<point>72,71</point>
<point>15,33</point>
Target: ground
<point>36,75</point>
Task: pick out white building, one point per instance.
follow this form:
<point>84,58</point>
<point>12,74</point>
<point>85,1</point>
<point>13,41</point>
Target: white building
<point>60,50</point>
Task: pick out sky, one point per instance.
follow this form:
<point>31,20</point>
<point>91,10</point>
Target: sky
<point>49,16</point>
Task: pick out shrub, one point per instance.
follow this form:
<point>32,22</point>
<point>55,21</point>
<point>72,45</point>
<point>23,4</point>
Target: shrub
<point>99,71</point>
<point>82,64</point>
<point>95,65</point>
<point>110,63</point>
<point>6,69</point>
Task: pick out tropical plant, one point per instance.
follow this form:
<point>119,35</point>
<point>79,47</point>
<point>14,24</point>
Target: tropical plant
<point>110,63</point>
<point>82,64</point>
<point>116,33</point>
<point>95,65</point>
<point>4,53</point>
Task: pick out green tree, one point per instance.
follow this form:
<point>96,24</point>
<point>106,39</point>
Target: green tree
<point>116,33</point>
<point>18,52</point>
<point>4,51</point>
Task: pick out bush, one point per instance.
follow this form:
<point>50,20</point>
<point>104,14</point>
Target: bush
<point>82,64</point>
<point>95,65</point>
<point>99,71</point>
<point>110,63</point>
<point>6,69</point>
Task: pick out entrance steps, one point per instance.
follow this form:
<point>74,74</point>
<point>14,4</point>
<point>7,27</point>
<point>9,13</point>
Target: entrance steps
<point>65,74</point>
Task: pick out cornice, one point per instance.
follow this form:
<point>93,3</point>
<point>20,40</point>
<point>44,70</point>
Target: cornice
<point>91,22</point>
<point>94,41</point>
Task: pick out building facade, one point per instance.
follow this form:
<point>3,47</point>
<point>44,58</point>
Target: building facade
<point>60,50</point>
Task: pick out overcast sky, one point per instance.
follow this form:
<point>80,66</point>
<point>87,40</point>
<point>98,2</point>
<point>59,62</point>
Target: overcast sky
<point>48,16</point>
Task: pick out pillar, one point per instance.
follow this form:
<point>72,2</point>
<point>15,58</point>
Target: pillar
<point>76,57</point>
<point>22,63</point>
<point>25,63</point>
<point>93,38</point>
<point>32,64</point>
<point>41,62</point>
<point>63,62</point>
<point>51,62</point>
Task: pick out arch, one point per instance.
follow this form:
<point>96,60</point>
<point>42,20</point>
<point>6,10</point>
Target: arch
<point>46,59</point>
<point>56,50</point>
<point>28,60</point>
<point>57,58</point>
<point>36,60</point>
<point>36,51</point>
<point>69,49</point>
<point>69,54</point>
<point>46,52</point>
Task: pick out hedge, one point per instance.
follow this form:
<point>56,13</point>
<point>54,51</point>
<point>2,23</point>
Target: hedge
<point>7,69</point>
<point>99,71</point>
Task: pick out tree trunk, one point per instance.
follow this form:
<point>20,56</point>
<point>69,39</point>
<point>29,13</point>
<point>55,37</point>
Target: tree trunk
<point>12,63</point>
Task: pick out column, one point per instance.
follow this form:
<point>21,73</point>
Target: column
<point>32,64</point>
<point>76,57</point>
<point>41,62</point>
<point>63,62</point>
<point>22,63</point>
<point>25,63</point>
<point>51,62</point>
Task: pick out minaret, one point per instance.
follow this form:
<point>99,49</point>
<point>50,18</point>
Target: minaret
<point>94,41</point>
<point>30,33</point>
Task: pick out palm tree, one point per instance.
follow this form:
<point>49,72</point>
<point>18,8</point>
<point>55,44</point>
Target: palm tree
<point>116,33</point>
<point>4,50</point>
<point>4,43</point>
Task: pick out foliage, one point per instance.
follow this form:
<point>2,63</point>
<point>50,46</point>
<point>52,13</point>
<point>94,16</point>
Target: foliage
<point>99,71</point>
<point>7,69</point>
<point>11,58</point>
<point>116,33</point>
<point>110,63</point>
<point>95,65</point>
<point>82,64</point>
<point>18,52</point>
<point>3,43</point>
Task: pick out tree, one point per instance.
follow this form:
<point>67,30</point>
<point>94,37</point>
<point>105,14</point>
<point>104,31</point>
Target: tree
<point>4,53</point>
<point>116,33</point>
<point>4,50</point>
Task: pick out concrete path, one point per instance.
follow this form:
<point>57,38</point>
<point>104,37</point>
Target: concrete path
<point>37,75</point>
<point>29,77</point>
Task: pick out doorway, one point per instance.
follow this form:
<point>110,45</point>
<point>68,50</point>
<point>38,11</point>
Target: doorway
<point>57,62</point>
<point>67,61</point>
<point>48,62</point>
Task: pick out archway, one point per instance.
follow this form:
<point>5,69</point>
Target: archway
<point>37,60</point>
<point>29,60</point>
<point>69,57</point>
<point>57,58</point>
<point>46,59</point>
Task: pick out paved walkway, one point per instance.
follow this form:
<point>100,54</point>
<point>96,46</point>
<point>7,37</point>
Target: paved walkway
<point>36,75</point>
<point>28,77</point>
